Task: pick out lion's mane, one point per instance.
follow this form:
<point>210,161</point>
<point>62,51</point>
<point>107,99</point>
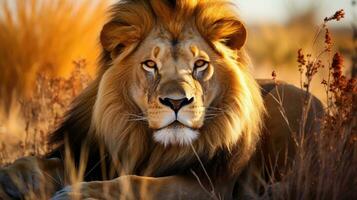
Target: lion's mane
<point>226,142</point>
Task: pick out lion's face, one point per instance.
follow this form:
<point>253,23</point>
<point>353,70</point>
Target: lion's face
<point>173,74</point>
<point>174,85</point>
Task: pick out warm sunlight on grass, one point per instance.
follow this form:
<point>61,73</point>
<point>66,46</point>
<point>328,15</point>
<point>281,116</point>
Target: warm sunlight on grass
<point>42,35</point>
<point>24,130</point>
<point>48,55</point>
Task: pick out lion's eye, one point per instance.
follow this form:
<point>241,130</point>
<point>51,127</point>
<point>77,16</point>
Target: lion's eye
<point>149,65</point>
<point>201,65</point>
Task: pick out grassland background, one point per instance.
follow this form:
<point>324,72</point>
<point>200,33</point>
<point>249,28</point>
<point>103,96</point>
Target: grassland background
<point>60,39</point>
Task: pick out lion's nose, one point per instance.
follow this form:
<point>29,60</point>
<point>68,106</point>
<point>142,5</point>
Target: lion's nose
<point>175,104</point>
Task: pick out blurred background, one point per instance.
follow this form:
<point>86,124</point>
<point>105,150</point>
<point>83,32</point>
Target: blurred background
<point>57,37</point>
<point>278,28</point>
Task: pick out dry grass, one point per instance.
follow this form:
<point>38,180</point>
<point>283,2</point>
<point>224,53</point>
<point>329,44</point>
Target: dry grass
<point>273,47</point>
<point>45,35</point>
<point>324,170</point>
<point>40,114</point>
<point>325,163</point>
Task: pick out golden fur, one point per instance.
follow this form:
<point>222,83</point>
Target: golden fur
<point>131,142</point>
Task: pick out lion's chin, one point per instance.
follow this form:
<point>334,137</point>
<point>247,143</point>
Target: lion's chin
<point>175,134</point>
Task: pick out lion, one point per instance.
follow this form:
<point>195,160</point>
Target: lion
<point>174,113</point>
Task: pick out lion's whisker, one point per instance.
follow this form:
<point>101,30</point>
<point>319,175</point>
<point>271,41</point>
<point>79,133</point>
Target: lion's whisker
<point>134,115</point>
<point>214,114</point>
<point>138,119</point>
<point>215,108</point>
<point>210,117</point>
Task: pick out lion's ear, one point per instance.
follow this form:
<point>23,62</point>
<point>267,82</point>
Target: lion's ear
<point>238,37</point>
<point>219,22</point>
<point>116,36</point>
<point>232,33</point>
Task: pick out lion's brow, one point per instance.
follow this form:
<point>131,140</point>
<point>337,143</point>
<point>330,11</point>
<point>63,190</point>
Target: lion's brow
<point>174,42</point>
<point>175,49</point>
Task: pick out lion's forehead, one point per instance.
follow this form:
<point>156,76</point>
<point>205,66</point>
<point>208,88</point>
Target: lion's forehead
<point>166,48</point>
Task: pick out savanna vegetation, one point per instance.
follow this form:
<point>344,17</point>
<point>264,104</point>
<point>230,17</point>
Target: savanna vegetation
<point>48,52</point>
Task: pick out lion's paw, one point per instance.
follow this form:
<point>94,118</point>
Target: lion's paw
<point>20,178</point>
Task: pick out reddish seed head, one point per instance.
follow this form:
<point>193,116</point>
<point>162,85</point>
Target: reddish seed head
<point>301,57</point>
<point>337,65</point>
<point>337,16</point>
<point>328,40</point>
<point>273,74</point>
<point>351,86</point>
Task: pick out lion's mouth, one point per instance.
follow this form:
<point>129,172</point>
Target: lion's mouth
<point>175,133</point>
<point>175,125</point>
